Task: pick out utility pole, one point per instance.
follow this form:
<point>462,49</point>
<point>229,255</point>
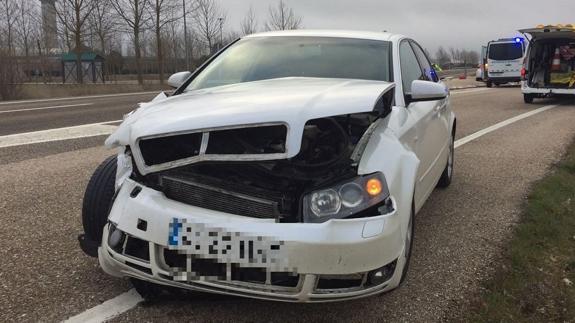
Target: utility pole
<point>186,37</point>
<point>221,33</point>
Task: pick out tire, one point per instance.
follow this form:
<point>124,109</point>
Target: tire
<point>489,84</point>
<point>528,98</point>
<point>148,291</point>
<point>408,244</point>
<point>98,200</point>
<point>447,175</point>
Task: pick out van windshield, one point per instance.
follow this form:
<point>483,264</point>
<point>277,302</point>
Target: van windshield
<point>505,51</point>
<point>262,58</point>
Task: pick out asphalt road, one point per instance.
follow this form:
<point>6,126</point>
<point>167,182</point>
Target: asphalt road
<point>459,233</point>
<point>49,114</point>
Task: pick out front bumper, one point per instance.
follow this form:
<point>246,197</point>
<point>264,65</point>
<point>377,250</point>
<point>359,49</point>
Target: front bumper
<point>311,254</point>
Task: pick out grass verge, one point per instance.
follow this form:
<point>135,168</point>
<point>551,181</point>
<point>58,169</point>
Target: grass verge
<point>536,280</point>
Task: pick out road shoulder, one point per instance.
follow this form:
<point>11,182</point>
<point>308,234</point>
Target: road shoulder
<point>536,275</point>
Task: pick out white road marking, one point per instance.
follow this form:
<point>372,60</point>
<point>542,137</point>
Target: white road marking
<point>47,108</point>
<point>81,97</point>
<point>501,124</point>
<point>470,91</point>
<point>75,132</point>
<point>109,309</point>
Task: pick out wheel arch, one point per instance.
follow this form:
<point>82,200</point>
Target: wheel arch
<point>385,153</point>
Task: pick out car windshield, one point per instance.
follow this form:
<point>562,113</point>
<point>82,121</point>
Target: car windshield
<point>262,58</point>
<point>505,51</point>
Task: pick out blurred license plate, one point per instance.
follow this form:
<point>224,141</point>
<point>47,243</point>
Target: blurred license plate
<point>211,242</point>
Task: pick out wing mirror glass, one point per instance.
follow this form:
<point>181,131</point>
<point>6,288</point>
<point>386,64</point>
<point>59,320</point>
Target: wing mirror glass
<point>428,91</point>
<point>176,80</point>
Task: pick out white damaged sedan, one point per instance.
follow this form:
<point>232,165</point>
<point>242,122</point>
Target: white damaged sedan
<point>288,167</point>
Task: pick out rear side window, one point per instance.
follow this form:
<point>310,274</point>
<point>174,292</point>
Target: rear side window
<point>505,51</point>
<point>410,69</point>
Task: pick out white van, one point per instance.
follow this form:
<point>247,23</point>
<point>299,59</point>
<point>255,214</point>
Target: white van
<point>504,59</point>
<point>549,66</point>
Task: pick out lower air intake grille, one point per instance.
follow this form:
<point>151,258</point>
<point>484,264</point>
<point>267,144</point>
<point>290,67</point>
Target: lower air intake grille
<point>218,199</point>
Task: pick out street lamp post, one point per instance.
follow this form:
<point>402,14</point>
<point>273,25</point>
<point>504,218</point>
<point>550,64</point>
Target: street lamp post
<point>186,49</point>
<point>221,20</point>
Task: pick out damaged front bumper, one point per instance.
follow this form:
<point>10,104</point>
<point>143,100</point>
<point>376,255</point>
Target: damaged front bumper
<point>159,240</point>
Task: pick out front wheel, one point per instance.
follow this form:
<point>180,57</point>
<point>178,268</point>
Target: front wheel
<point>528,98</point>
<point>98,200</point>
<point>447,174</point>
<point>489,84</point>
<point>408,245</point>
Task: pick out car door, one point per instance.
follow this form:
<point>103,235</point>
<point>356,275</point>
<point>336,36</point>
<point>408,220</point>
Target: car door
<point>429,121</point>
<point>440,124</point>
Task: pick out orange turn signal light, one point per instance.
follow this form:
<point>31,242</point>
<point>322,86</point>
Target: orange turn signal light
<point>373,187</point>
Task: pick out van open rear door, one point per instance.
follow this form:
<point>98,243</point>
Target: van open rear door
<point>549,31</point>
<point>549,67</point>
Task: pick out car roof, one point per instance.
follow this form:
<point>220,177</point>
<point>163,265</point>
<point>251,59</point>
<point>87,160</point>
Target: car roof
<point>355,34</point>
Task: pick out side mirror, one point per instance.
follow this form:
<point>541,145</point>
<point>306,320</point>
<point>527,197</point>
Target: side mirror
<point>428,91</point>
<point>176,80</point>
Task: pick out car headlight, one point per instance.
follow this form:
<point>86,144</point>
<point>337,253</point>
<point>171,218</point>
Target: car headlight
<point>345,199</point>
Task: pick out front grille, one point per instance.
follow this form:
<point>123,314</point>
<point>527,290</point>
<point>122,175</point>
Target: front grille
<point>220,199</point>
<point>257,140</point>
<point>252,140</point>
<point>156,151</point>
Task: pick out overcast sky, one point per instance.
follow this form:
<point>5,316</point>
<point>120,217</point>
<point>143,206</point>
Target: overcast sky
<point>450,23</point>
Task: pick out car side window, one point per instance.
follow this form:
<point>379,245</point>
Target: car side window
<point>410,69</point>
<point>428,70</point>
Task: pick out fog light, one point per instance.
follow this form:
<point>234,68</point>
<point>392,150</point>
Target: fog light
<point>115,237</point>
<point>381,275</point>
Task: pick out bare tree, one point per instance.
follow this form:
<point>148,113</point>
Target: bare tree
<point>73,16</point>
<point>8,70</point>
<point>9,12</point>
<point>103,24</point>
<point>249,24</point>
<point>163,13</point>
<point>442,57</point>
<point>27,27</point>
<point>208,20</point>
<point>133,13</point>
<point>472,57</point>
<point>454,53</point>
<point>282,18</point>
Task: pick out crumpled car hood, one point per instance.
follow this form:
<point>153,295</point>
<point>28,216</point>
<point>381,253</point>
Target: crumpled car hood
<point>292,101</point>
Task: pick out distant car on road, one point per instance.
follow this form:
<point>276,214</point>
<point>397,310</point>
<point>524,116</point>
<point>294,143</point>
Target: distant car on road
<point>504,59</point>
<point>549,66</point>
<point>289,167</point>
<point>481,73</point>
